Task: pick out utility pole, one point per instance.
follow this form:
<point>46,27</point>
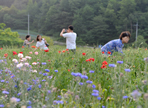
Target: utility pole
<point>136,32</point>
<point>28,23</point>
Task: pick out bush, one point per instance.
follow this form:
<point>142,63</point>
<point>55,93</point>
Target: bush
<point>9,38</point>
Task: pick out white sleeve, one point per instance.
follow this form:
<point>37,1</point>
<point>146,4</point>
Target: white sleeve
<point>65,35</point>
<point>37,44</point>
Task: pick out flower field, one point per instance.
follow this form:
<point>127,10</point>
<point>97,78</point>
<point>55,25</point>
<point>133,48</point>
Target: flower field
<point>60,79</point>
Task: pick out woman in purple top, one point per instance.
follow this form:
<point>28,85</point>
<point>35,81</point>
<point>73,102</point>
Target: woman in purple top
<point>117,44</point>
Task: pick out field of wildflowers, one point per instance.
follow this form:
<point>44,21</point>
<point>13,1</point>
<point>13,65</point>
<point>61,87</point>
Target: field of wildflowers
<point>59,79</point>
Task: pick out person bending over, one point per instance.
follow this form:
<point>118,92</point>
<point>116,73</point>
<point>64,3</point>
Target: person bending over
<point>117,44</point>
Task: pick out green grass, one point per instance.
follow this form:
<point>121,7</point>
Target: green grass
<point>112,83</point>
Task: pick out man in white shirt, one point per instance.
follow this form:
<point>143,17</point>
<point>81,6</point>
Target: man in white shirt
<point>70,38</point>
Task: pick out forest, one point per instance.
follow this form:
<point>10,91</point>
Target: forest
<point>95,21</point>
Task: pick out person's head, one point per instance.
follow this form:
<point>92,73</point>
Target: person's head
<point>39,38</point>
<point>28,37</point>
<point>125,36</point>
<point>70,28</point>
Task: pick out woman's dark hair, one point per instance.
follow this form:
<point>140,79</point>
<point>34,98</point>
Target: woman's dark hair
<point>125,34</point>
<point>27,36</point>
<point>38,37</point>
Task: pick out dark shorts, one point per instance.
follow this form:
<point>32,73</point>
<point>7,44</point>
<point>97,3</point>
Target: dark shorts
<point>72,50</point>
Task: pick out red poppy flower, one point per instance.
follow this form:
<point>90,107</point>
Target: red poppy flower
<point>66,49</point>
<point>22,46</point>
<point>145,49</point>
<point>49,60</point>
<point>72,58</point>
<point>46,50</point>
<point>14,53</point>
<point>103,66</point>
<point>109,52</point>
<point>84,54</point>
<point>104,63</point>
<point>21,52</point>
<point>68,70</point>
<point>1,48</point>
<point>59,51</point>
<point>33,46</point>
<point>63,51</point>
<point>102,52</point>
<point>88,60</point>
<point>5,55</point>
<point>92,59</point>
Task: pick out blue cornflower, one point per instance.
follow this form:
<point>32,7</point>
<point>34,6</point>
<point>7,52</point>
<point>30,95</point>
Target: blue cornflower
<point>49,91</point>
<point>50,77</point>
<point>56,70</point>
<point>72,73</point>
<point>47,70</point>
<point>29,102</point>
<point>99,98</point>
<point>40,72</point>
<point>93,86</point>
<point>43,63</point>
<point>43,80</point>
<point>29,88</point>
<point>89,82</point>
<point>103,107</point>
<point>59,97</point>
<point>7,81</point>
<point>80,83</point>
<point>2,105</point>
<point>19,94</point>
<point>45,74</point>
<point>91,71</point>
<point>12,76</point>
<point>125,97</point>
<point>39,85</point>
<point>127,70</point>
<point>2,80</point>
<point>5,92</point>
<point>112,65</point>
<point>95,91</point>
<point>77,74</point>
<point>95,94</point>
<point>15,86</point>
<point>25,83</point>
<point>29,106</point>
<point>84,77</point>
<point>120,62</point>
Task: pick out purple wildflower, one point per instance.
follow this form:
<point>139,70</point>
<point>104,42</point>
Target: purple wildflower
<point>80,83</point>
<point>45,74</point>
<point>84,77</point>
<point>2,80</point>
<point>43,63</point>
<point>39,85</point>
<point>43,80</point>
<point>127,70</point>
<point>49,91</point>
<point>125,97</point>
<point>93,86</point>
<point>89,82</point>
<point>47,70</point>
<point>112,65</point>
<point>5,92</point>
<point>2,105</point>
<point>136,94</point>
<point>99,98</point>
<point>95,94</point>
<point>91,71</point>
<point>120,62</point>
<point>56,70</point>
<point>95,91</point>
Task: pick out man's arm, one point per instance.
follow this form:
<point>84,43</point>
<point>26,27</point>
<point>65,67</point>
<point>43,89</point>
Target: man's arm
<point>61,34</point>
